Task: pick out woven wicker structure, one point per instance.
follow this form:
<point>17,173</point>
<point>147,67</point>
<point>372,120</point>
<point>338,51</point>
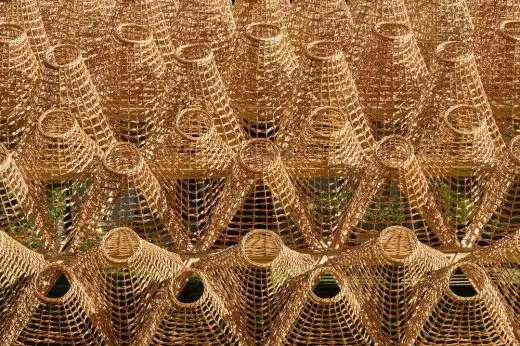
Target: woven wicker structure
<point>277,12</point>
<point>393,80</point>
<point>315,320</point>
<point>123,273</point>
<point>19,71</point>
<point>170,8</point>
<point>134,87</point>
<point>253,277</point>
<point>201,321</point>
<point>79,323</point>
<point>384,272</point>
<point>443,317</point>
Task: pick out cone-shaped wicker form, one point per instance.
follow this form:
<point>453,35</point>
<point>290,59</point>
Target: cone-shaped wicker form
<point>459,157</point>
<point>393,80</point>
<point>498,214</point>
<point>335,319</point>
<point>321,20</point>
<point>49,315</point>
<point>262,73</point>
<point>191,163</point>
<point>385,270</point>
<point>134,87</point>
<point>27,14</point>
<point>326,81</point>
<point>125,193</point>
<point>206,22</point>
<point>17,266</point>
<point>125,272</point>
<point>393,192</point>
<point>443,317</point>
<point>149,14</point>
<point>66,84</point>
<point>200,318</point>
<point>247,12</point>
<point>258,193</point>
<point>19,71</point>
<point>197,82</point>
<point>253,276</point>
<point>438,21</point>
<point>325,161</point>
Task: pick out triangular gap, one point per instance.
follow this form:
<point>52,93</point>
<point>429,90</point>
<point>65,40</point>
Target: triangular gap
<point>460,285</point>
<point>60,287</point>
<point>327,286</point>
<point>192,290</point>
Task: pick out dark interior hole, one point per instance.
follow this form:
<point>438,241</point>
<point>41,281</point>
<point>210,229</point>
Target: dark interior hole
<point>60,288</point>
<point>192,291</point>
<point>460,285</point>
<point>327,287</point>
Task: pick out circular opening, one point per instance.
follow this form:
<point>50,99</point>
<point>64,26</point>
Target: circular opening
<point>133,34</point>
<point>194,53</point>
<point>63,55</point>
<point>463,119</point>
<point>122,158</point>
<point>193,123</point>
<point>57,124</point>
<point>324,285</point>
<point>514,149</point>
<point>398,243</point>
<point>192,290</point>
<point>121,244</point>
<point>392,31</point>
<point>261,247</point>
<point>510,29</point>
<point>263,32</point>
<point>394,151</point>
<point>258,155</point>
<point>454,51</point>
<point>460,287</point>
<point>53,284</point>
<point>11,33</point>
<point>324,50</point>
<point>326,121</point>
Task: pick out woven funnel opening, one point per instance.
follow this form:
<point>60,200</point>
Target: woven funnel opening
<point>398,242</point>
<point>121,244</point>
<point>57,124</point>
<point>510,29</point>
<point>193,123</point>
<point>263,32</point>
<point>327,122</point>
<point>53,283</point>
<point>261,247</point>
<point>63,55</point>
<point>258,155</point>
<point>11,34</point>
<point>460,286</point>
<point>323,50</point>
<point>325,285</point>
<point>193,289</point>
<point>394,152</point>
<point>392,31</point>
<point>122,158</point>
<point>464,120</point>
<point>194,53</point>
<point>514,149</point>
<point>133,34</point>
<point>454,51</point>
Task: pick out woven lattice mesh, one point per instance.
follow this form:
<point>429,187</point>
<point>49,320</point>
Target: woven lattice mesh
<point>247,12</point>
<point>134,87</point>
<point>258,193</point>
<point>262,71</point>
<point>45,318</point>
<point>170,8</point>
<point>124,272</point>
<point>19,72</point>
<point>393,192</point>
<point>385,271</point>
<point>253,277</point>
<point>443,317</point>
<point>202,320</point>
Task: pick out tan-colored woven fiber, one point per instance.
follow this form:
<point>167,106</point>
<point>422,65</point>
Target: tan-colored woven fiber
<point>384,272</point>
<point>276,12</point>
<point>197,82</point>
<point>27,14</point>
<point>123,274</point>
<point>191,163</point>
<point>66,84</point>
<point>314,320</point>
<point>170,8</point>
<point>133,88</point>
<point>393,192</point>
<point>258,193</point>
<point>204,321</point>
<point>252,277</point>
<point>71,319</point>
<point>392,78</point>
<point>262,71</point>
<point>442,317</point>
<point>125,193</point>
<point>19,73</point>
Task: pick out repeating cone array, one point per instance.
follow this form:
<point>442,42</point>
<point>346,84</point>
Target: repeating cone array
<point>263,172</point>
